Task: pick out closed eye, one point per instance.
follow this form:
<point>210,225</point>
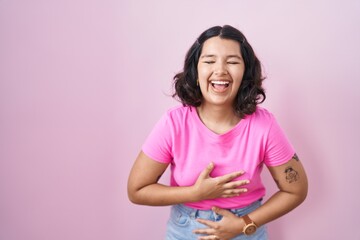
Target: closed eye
<point>233,62</point>
<point>209,62</point>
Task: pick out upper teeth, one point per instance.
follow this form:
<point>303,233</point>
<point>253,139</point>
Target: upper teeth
<point>220,82</point>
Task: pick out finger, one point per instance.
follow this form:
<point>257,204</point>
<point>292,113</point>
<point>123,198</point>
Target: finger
<point>206,172</point>
<point>229,196</point>
<point>234,192</point>
<point>207,231</point>
<point>236,184</point>
<point>211,237</point>
<point>208,223</point>
<point>222,212</point>
<point>230,176</point>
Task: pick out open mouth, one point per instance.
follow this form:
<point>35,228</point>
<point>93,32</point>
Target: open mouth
<point>220,86</point>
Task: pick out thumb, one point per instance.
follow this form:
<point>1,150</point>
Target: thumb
<point>222,212</point>
<point>206,172</point>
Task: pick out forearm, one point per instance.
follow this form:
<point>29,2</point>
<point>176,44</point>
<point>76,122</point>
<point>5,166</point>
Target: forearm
<point>276,206</point>
<point>160,195</point>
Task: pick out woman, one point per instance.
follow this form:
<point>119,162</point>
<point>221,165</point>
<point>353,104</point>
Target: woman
<point>216,144</point>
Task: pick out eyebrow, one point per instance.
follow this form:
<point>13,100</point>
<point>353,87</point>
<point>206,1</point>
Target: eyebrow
<point>229,56</point>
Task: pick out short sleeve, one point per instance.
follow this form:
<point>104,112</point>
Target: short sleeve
<point>157,146</point>
<point>278,148</point>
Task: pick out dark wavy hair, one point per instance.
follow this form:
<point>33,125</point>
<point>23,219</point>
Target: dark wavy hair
<point>250,92</point>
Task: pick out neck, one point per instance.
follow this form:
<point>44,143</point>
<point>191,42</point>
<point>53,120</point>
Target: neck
<point>217,118</point>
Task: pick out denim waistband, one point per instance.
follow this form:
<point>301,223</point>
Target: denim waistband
<point>211,215</point>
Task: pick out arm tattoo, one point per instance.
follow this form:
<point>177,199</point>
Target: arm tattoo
<point>296,157</point>
<point>291,175</point>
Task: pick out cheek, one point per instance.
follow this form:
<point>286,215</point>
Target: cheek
<point>239,74</point>
<point>237,85</point>
<point>202,73</point>
<point>237,79</point>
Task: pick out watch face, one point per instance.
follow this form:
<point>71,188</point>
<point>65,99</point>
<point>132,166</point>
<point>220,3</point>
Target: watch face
<point>250,229</point>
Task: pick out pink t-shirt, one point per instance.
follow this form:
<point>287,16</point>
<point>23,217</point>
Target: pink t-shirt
<point>182,140</point>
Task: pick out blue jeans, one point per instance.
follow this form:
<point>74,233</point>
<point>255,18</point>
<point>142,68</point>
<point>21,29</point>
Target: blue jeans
<point>183,221</point>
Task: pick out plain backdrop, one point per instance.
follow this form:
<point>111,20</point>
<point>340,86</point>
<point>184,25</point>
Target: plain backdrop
<point>82,83</point>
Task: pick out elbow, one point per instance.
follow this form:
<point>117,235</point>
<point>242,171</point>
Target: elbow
<point>302,197</point>
<point>133,197</point>
<point>133,192</point>
<point>134,200</point>
<point>305,190</point>
<point>302,194</point>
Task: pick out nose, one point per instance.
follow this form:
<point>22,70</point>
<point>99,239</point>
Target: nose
<point>220,69</point>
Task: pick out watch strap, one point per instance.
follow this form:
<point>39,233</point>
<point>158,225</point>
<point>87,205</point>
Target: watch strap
<point>247,219</point>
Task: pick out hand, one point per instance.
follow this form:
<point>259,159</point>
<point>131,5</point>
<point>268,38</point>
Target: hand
<point>207,187</point>
<point>227,228</point>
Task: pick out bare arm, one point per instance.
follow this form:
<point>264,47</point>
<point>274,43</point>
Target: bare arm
<point>143,186</point>
<point>293,186</point>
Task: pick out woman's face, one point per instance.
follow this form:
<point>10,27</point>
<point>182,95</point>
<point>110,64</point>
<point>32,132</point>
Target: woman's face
<point>220,71</point>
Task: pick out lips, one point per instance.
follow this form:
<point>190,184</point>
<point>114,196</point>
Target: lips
<point>220,85</point>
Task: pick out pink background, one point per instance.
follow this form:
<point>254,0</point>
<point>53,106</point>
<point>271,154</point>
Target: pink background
<point>82,82</point>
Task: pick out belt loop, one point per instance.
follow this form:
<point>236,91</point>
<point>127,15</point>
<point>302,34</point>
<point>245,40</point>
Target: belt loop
<point>215,215</point>
<point>193,214</point>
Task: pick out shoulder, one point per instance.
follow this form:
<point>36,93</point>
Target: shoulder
<point>261,116</point>
<point>179,113</point>
<point>180,119</point>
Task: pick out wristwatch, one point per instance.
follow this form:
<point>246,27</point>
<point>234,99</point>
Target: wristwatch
<point>250,227</point>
